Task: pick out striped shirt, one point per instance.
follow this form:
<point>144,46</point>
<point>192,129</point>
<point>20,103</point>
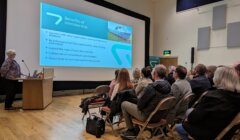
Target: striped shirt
<point>10,69</point>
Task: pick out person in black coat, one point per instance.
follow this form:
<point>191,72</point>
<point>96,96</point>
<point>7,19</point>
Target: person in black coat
<point>215,110</point>
<point>152,95</point>
<point>199,83</point>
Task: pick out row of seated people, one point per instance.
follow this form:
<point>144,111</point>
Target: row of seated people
<point>211,115</point>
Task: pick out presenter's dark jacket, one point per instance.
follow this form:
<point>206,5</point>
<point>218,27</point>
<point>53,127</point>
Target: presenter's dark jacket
<point>213,113</point>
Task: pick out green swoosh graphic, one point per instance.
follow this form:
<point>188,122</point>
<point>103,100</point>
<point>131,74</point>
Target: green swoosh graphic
<point>59,18</point>
<point>117,57</point>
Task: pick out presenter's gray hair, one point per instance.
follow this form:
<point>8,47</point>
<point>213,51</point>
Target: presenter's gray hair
<point>11,52</point>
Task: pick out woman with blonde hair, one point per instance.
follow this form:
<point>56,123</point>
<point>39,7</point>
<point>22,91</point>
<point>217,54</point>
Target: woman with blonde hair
<point>123,82</point>
<point>136,76</point>
<point>216,109</point>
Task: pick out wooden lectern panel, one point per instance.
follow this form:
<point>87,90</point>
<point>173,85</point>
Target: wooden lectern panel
<point>47,91</point>
<point>37,93</point>
<point>32,94</point>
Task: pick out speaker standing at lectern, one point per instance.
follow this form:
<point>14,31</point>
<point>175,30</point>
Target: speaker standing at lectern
<point>10,70</point>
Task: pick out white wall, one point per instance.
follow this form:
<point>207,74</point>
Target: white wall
<point>178,32</point>
<point>144,7</point>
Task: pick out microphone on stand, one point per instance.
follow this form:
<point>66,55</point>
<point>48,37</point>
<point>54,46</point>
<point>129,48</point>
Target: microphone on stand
<point>27,68</point>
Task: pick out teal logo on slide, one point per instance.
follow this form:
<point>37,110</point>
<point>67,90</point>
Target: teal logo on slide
<point>115,48</point>
<point>59,18</point>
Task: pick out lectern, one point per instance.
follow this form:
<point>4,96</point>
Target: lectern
<point>37,92</point>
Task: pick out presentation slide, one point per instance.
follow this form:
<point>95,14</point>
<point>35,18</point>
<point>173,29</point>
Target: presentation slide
<point>73,39</point>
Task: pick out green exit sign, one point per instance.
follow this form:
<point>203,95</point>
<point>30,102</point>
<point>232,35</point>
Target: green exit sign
<point>167,53</point>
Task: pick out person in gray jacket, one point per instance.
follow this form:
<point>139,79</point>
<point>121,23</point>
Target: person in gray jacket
<point>179,88</point>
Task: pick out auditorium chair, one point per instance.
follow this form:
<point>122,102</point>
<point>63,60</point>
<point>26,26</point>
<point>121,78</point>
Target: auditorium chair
<point>172,120</point>
<point>235,122</point>
<point>110,122</point>
<point>100,102</point>
<point>185,100</point>
<point>99,90</point>
<point>164,105</point>
<point>102,89</point>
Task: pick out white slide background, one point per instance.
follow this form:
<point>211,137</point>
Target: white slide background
<point>23,21</point>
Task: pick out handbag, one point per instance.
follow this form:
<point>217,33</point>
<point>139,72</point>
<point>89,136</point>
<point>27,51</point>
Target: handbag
<point>95,126</point>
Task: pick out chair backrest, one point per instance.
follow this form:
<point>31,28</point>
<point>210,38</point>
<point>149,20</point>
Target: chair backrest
<point>199,99</point>
<point>235,121</point>
<point>165,104</point>
<point>185,99</point>
<point>102,89</point>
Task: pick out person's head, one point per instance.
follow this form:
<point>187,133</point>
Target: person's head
<point>211,70</point>
<point>116,74</point>
<point>159,72</point>
<point>200,69</point>
<point>180,72</point>
<point>149,68</point>
<point>221,66</point>
<point>146,73</point>
<point>237,68</point>
<point>123,79</point>
<point>11,54</point>
<point>136,74</point>
<point>226,78</point>
<point>172,69</point>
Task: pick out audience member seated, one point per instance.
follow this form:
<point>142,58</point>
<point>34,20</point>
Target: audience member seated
<point>123,82</point>
<point>150,68</point>
<point>125,95</point>
<point>170,77</point>
<point>199,83</point>
<point>215,110</point>
<point>136,76</point>
<point>142,83</point>
<point>163,67</point>
<point>179,88</point>
<point>152,95</point>
<point>210,73</point>
<point>113,83</point>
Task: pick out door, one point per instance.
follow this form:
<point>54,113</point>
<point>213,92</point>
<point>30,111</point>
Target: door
<point>169,61</point>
